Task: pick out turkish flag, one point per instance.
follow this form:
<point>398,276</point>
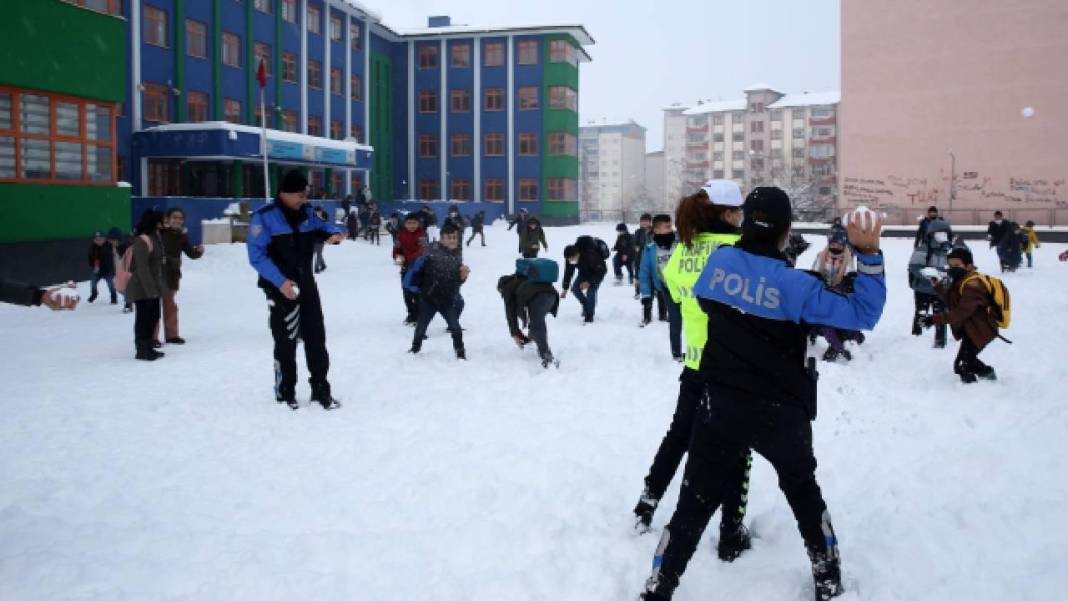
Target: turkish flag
<point>261,74</point>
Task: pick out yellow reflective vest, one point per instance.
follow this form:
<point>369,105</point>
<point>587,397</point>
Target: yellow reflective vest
<point>680,274</point>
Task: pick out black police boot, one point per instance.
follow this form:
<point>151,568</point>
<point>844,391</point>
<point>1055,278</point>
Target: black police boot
<point>734,539</point>
<point>321,394</point>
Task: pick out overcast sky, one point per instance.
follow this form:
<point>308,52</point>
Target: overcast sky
<point>650,54</point>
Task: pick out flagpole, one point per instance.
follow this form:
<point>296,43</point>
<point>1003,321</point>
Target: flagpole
<point>263,135</point>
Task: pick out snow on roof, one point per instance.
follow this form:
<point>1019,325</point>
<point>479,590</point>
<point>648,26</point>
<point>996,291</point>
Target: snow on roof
<point>807,99</point>
<point>716,107</point>
<point>577,31</point>
<point>760,86</point>
<point>360,7</point>
<point>272,134</point>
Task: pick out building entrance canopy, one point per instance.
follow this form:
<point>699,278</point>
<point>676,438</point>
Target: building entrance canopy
<point>220,140</point>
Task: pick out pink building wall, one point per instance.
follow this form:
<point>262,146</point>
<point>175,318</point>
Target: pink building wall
<point>923,78</point>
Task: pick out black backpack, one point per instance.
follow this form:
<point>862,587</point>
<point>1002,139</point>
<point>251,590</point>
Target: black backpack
<point>602,248</point>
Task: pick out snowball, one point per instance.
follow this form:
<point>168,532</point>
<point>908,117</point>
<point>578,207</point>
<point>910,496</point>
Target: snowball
<point>1028,112</point>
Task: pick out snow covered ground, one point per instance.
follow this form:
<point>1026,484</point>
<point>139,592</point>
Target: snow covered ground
<point>493,479</point>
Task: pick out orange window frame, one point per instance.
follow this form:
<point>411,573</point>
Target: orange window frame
<point>52,137</point>
<point>494,145</point>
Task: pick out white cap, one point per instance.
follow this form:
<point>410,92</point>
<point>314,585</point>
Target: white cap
<point>723,192</point>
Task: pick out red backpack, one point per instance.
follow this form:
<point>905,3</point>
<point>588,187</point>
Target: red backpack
<point>123,273</point>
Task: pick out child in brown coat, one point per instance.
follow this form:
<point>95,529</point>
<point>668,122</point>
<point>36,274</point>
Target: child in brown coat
<point>967,315</point>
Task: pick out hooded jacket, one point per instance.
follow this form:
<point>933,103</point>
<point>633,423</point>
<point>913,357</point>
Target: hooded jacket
<point>532,239</point>
<point>651,269</point>
<point>591,265</point>
<point>436,275</point>
<point>281,243</point>
<point>176,242</point>
<point>409,245</point>
<point>517,292</point>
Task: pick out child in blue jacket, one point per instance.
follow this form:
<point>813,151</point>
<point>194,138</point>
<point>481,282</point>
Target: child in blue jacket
<point>654,256</point>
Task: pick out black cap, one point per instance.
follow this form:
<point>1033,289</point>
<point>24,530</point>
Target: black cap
<point>622,227</point>
<point>293,181</point>
<point>768,207</point>
<point>961,253</point>
<point>932,209</point>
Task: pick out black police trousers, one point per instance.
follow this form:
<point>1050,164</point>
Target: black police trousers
<point>292,322</point>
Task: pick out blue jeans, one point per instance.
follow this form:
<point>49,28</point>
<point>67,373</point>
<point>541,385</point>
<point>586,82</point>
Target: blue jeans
<point>587,298</point>
<point>450,311</point>
<point>109,279</point>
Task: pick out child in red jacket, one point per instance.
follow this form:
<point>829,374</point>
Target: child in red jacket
<point>409,244</point>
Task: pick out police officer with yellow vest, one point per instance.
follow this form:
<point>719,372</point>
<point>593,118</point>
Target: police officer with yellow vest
<point>760,393</point>
<point>706,221</point>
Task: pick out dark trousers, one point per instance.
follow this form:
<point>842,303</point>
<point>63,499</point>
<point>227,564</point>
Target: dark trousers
<point>721,440</point>
<point>320,264</point>
<point>375,236</point>
<point>663,310</point>
<point>929,304</point>
<point>677,441</point>
<point>477,232</point>
<point>449,311</point>
<point>967,360</point>
<point>292,322</point>
<point>674,311</point>
<point>836,338</point>
<point>538,307</point>
<point>146,320</point>
<point>587,298</point>
<point>530,253</point>
<point>411,299</point>
<point>109,279</point>
<point>618,264</point>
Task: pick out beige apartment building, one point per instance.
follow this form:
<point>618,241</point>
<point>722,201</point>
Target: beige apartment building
<point>961,104</point>
<point>764,138</point>
<point>611,171</point>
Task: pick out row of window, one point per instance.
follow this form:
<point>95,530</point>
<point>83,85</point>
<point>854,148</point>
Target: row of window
<point>111,7</point>
<point>560,97</point>
<point>493,53</point>
<point>53,138</point>
<point>559,144</point>
<point>155,31</point>
<point>493,190</point>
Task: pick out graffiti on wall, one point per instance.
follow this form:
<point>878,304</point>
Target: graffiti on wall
<point>970,189</point>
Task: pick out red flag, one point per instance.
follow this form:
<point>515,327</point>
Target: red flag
<point>261,74</point>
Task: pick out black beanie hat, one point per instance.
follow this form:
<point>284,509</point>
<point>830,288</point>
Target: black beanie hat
<point>768,207</point>
<point>961,253</point>
<point>293,181</point>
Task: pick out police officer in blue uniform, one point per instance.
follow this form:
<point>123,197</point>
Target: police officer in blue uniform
<point>761,394</point>
<point>281,242</point>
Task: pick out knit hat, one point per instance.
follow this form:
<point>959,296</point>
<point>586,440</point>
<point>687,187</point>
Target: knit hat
<point>723,192</point>
<point>293,181</point>
<point>768,207</point>
<point>961,253</point>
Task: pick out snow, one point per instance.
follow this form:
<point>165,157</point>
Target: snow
<point>577,31</point>
<point>493,479</point>
<point>272,134</point>
<point>716,107</point>
<point>807,99</point>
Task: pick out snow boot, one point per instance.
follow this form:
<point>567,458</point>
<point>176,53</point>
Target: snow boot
<point>677,357</point>
<point>290,402</point>
<point>145,352</point>
<point>987,373</point>
<point>644,322</point>
<point>826,575</point>
<point>321,394</point>
<point>92,296</point>
<point>734,539</point>
<point>643,512</point>
<point>176,340</point>
<point>547,360</point>
<point>968,377</point>
<point>461,353</point>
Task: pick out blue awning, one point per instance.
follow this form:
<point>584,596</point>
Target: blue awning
<point>219,140</point>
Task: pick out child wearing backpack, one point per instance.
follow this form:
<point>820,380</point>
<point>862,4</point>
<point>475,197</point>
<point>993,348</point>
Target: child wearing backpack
<point>529,296</point>
<point>976,306</point>
<point>587,257</point>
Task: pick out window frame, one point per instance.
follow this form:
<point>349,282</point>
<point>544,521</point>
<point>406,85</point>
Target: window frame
<point>560,98</point>
<point>428,57</point>
<point>499,102</point>
<point>569,55</point>
<point>496,139</point>
<point>525,189</point>
<point>290,117</point>
<point>289,65</point>
<point>336,130</point>
<point>156,90</point>
<point>336,90</point>
<point>460,189</point>
<point>203,35</point>
<point>256,51</point>
<point>429,189</point>
<point>289,11</point>
<point>336,34</point>
<point>464,142</point>
<point>565,187</point>
<point>315,125</point>
<point>557,139</point>
<point>229,103</point>
<point>459,100</point>
<point>356,87</point>
<point>536,98</point>
<point>314,25</point>
<point>230,39</point>
<point>493,189</point>
<point>524,46</point>
<point>426,97</point>
<point>189,105</point>
<point>264,6</point>
<point>530,140</point>
<point>318,74</point>
<point>498,53</point>
<point>355,36</point>
<point>151,19</point>
<point>460,56</point>
<point>428,146</point>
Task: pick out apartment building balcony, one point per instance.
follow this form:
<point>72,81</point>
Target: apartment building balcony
<point>697,147</point>
<point>817,121</point>
<point>697,130</point>
<point>821,160</point>
<point>697,164</point>
<point>832,140</point>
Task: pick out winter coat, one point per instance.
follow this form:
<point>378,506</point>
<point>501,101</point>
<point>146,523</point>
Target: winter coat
<point>1031,241</point>
<point>591,265</point>
<point>436,275</point>
<point>517,293</point>
<point>17,293</point>
<point>921,232</point>
<point>758,307</point>
<point>996,231</point>
<point>176,242</point>
<point>456,220</point>
<point>651,269</point>
<point>146,270</point>
<point>1011,247</point>
<point>639,239</point>
<point>624,245</point>
<point>477,221</point>
<point>376,220</point>
<point>532,239</point>
<point>967,313</point>
<point>102,259</point>
<point>521,221</point>
<point>409,245</point>
<point>281,244</point>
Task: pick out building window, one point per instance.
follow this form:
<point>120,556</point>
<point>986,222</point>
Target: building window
<point>357,89</point>
<point>738,155</point>
<point>428,146</point>
<point>428,101</point>
<point>314,23</point>
<point>289,67</point>
<point>799,152</point>
<point>110,7</point>
<point>717,119</point>
<point>460,101</point>
<point>563,97</point>
<point>561,51</point>
<point>263,56</point>
<point>494,146</point>
<point>528,52</point>
<point>460,189</point>
<point>776,115</point>
<point>757,107</point>
<point>562,144</point>
<point>528,190</point>
<point>231,49</point>
<point>356,133</point>
<point>315,74</point>
<point>528,98</point>
<point>289,11</point>
<point>494,190</point>
<point>460,56</point>
<point>562,188</point>
<point>756,127</point>
<point>232,110</point>
<point>460,145</point>
<point>717,155</point>
<point>717,137</point>
<point>757,164</point>
<point>717,174</point>
<point>335,29</point>
<point>528,145</point>
<point>354,35</point>
<point>196,39</point>
<point>155,26</point>
<point>335,129</point>
<point>493,54</point>
<point>757,145</point>
<point>259,115</point>
<point>428,57</point>
<point>264,6</point>
<point>335,82</point>
<point>196,107</point>
<point>428,189</point>
<point>289,121</point>
<point>738,136</point>
<point>156,99</point>
<point>315,126</point>
<point>737,174</point>
<point>59,139</point>
<point>494,99</point>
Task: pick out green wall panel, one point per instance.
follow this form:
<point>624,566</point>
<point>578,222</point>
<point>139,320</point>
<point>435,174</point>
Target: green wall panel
<point>46,212</point>
<point>558,120</point>
<point>52,46</point>
<point>381,98</point>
